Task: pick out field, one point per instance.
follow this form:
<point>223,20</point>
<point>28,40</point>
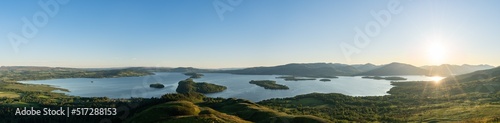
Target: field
<point>9,95</point>
<point>33,88</point>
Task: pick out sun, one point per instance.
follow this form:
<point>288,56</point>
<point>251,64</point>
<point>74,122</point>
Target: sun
<point>437,53</point>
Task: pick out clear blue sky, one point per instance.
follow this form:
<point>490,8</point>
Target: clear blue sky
<point>174,33</point>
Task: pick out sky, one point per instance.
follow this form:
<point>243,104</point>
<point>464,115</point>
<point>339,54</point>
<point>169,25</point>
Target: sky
<point>192,33</point>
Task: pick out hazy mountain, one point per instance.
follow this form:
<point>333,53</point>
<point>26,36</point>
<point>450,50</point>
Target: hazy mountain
<point>309,70</point>
<point>395,69</point>
<point>365,67</point>
<point>446,69</point>
<point>296,69</point>
<point>35,68</point>
<point>483,81</point>
<point>478,75</point>
<point>168,69</point>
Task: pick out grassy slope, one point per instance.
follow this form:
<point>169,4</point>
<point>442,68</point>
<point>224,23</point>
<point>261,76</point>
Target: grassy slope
<point>9,94</point>
<point>450,102</point>
<point>217,110</point>
<point>471,97</point>
<point>256,113</point>
<point>476,100</point>
<point>32,87</point>
<point>183,112</point>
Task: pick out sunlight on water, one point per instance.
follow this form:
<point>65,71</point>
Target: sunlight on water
<point>436,79</point>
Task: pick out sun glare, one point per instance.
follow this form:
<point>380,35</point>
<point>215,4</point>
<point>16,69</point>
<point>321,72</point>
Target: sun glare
<point>436,79</point>
<point>437,53</point>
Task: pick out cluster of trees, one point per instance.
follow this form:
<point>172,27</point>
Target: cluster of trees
<point>188,86</point>
<point>338,107</point>
<point>194,75</point>
<point>268,84</point>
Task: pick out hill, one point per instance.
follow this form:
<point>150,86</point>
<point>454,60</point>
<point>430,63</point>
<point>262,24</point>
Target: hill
<point>365,67</point>
<point>180,109</point>
<point>447,70</point>
<point>489,75</point>
<point>304,70</point>
<point>395,69</point>
<point>168,69</point>
<point>469,97</point>
<point>183,111</point>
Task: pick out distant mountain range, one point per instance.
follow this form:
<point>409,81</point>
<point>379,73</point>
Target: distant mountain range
<point>365,67</point>
<point>325,70</point>
<point>336,69</point>
<point>308,70</point>
<point>178,69</point>
<point>394,69</point>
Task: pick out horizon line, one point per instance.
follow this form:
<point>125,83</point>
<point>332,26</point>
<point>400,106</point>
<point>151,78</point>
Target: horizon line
<point>120,67</point>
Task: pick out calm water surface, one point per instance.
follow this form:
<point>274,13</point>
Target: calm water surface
<point>238,86</point>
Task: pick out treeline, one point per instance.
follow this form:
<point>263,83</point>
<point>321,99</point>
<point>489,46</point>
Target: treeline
<point>21,75</point>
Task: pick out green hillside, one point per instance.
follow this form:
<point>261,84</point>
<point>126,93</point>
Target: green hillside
<point>447,70</point>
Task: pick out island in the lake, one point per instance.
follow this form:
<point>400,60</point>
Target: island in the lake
<point>325,80</point>
<point>384,78</point>
<point>268,84</point>
<point>194,75</point>
<point>294,78</point>
<point>157,85</point>
<point>188,86</point>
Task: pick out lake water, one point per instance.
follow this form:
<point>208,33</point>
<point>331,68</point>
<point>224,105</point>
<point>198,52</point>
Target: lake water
<point>238,86</point>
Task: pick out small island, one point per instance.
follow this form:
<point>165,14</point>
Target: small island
<point>294,78</point>
<point>157,85</point>
<point>268,84</point>
<point>373,77</point>
<point>188,86</point>
<point>384,78</point>
<point>194,75</point>
<point>395,78</point>
<point>325,80</point>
